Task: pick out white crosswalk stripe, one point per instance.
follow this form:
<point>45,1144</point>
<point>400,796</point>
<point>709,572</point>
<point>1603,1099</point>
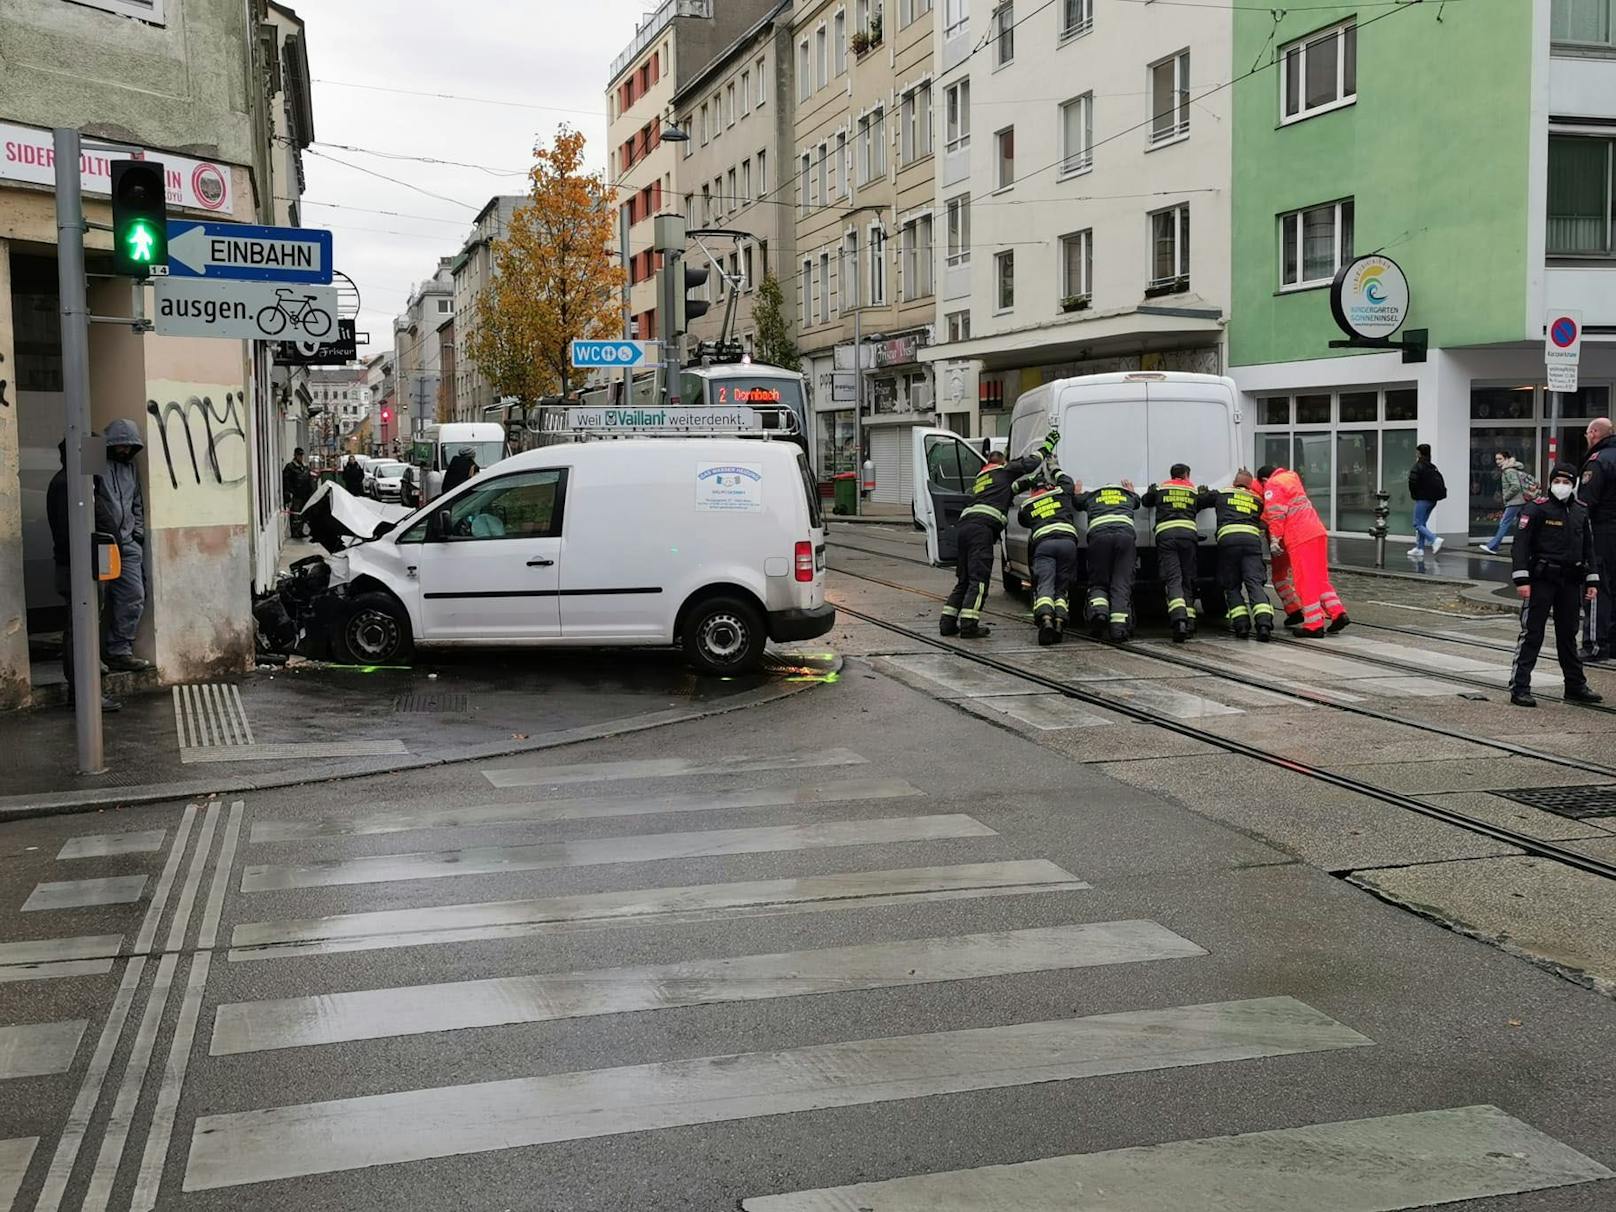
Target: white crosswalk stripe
<point>47,958</point>
<point>34,1049</point>
<point>14,1158</point>
<point>646,768</point>
<point>81,894</point>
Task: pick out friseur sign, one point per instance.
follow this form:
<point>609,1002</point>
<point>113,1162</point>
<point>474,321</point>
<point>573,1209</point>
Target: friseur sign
<point>339,351</point>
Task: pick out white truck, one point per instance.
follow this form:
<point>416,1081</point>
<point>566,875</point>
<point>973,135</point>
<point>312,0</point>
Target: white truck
<point>436,446</point>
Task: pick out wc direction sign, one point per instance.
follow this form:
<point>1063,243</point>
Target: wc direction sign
<point>594,355</point>
<point>1562,347</point>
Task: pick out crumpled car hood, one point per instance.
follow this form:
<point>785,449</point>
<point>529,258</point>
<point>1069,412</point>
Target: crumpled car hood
<point>334,514</point>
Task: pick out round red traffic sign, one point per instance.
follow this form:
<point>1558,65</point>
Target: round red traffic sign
<point>1563,332</point>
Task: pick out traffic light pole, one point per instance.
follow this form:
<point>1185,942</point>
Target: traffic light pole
<point>83,605</point>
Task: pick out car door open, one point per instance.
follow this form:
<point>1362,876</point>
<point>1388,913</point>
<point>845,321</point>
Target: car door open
<point>945,468</point>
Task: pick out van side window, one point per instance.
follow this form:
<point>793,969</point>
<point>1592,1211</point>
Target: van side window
<point>811,488</point>
<point>527,505</point>
<point>950,464</point>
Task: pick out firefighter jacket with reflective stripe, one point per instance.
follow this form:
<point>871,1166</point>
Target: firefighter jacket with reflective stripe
<point>1111,505</point>
<point>1554,536</point>
<point>1050,511</point>
<point>1288,514</point>
<point>1176,505</point>
<point>1238,510</point>
<point>997,486</point>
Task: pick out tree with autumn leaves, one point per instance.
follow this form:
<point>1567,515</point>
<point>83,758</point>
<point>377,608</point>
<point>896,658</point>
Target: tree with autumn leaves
<point>555,279</point>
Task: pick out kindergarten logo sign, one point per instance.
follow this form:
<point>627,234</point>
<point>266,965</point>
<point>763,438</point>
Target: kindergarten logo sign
<point>729,487</point>
<point>1370,298</point>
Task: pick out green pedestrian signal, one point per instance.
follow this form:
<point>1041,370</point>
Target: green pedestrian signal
<point>139,219</point>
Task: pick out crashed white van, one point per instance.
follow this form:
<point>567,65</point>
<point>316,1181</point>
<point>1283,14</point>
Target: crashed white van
<point>713,544</point>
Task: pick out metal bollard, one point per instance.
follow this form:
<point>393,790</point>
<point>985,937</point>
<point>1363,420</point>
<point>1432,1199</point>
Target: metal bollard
<point>1383,513</point>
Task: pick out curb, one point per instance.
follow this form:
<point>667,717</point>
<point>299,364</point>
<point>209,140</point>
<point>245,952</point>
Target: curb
<point>67,803</point>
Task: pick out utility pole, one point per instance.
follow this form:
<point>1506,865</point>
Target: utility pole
<point>83,606</point>
<point>668,238</point>
<point>858,405</point>
<point>628,306</point>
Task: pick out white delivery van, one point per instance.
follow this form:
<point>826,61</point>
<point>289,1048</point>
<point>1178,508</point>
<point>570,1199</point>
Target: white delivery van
<point>1134,425</point>
<point>437,446</point>
<point>714,544</point>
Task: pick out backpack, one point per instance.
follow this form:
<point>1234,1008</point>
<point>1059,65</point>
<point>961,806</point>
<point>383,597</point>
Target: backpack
<point>1530,488</point>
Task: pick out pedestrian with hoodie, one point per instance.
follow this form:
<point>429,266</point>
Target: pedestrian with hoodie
<point>126,597</point>
<point>353,476</point>
<point>1516,486</point>
<point>56,514</point>
<point>1427,488</point>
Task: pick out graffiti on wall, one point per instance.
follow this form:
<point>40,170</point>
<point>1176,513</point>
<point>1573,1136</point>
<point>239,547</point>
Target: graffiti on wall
<point>208,438</point>
<point>4,403</point>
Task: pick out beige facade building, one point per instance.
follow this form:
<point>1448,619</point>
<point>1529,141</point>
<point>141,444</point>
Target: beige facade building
<point>863,184</point>
<point>218,79</point>
<point>738,114</point>
<point>419,351</point>
<point>473,272</point>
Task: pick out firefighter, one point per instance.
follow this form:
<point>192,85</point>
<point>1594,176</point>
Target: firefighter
<point>1112,555</point>
<point>1297,532</point>
<point>1240,555</point>
<point>1178,541</point>
<point>1555,572</point>
<point>1050,517</point>
<point>980,525</point>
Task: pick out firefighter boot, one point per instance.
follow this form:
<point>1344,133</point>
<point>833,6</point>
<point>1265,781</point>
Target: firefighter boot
<point>1265,632</point>
<point>1048,633</point>
<point>970,629</point>
<point>1182,630</point>
<point>1242,629</point>
<point>948,625</point>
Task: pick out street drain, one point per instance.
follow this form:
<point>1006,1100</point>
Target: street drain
<point>1578,803</point>
<point>429,703</point>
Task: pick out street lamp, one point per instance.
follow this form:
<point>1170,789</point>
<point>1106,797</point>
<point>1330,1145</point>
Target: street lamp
<point>858,368</point>
<point>672,134</point>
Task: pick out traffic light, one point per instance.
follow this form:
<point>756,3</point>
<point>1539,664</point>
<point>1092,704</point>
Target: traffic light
<point>387,416</point>
<point>686,309</point>
<point>139,219</point>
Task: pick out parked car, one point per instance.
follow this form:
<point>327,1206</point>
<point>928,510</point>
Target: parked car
<point>391,480</point>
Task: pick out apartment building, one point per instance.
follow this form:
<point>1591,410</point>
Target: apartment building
<point>1475,147</point>
<point>863,271</point>
<point>670,46</point>
<point>737,112</point>
<point>1083,191</point>
<point>473,274</point>
<point>419,350</point>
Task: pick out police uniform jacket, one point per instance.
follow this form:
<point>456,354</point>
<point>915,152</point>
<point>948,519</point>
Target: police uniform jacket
<point>1598,489</point>
<point>1050,512</point>
<point>1554,534</point>
<point>1237,510</point>
<point>1176,503</point>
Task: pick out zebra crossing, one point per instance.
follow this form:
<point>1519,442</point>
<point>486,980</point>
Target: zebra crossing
<point>218,972</point>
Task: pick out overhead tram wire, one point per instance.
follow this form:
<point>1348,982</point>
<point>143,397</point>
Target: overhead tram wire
<point>394,180</point>
<point>410,92</point>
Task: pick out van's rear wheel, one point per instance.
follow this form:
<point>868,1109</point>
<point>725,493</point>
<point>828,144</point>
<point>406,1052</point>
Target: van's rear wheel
<point>374,630</point>
<point>724,636</point>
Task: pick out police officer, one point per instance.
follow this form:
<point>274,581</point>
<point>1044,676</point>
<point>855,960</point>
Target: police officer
<point>980,525</point>
<point>1050,517</point>
<point>1240,555</point>
<point>1554,573</point>
<point>1598,493</point>
<point>1176,503</point>
<point>1111,556</point>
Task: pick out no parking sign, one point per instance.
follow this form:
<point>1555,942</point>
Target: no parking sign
<point>1562,350</point>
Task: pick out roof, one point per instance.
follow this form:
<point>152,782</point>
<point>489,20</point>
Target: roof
<point>721,60</point>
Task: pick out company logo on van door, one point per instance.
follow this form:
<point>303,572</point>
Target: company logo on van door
<point>727,487</point>
<point>1370,298</point>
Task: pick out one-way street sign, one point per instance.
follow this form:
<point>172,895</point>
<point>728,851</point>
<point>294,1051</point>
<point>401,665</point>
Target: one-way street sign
<point>198,249</point>
<point>244,311</point>
<point>617,354</point>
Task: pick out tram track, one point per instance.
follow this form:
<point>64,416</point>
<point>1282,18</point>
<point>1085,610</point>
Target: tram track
<point>1397,799</point>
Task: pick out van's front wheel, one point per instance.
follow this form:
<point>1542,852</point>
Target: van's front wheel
<point>724,636</point>
<point>374,630</point>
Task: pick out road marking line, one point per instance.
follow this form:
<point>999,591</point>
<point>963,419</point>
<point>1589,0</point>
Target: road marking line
<point>221,880</point>
<point>44,958</point>
<point>14,1158</point>
<point>36,1049</point>
<point>356,1133</point>
<point>1367,1165</point>
<point>298,1022</point>
<point>544,811</point>
<point>161,1131</point>
<point>641,907</point>
<point>1165,700</point>
<point>81,894</point>
<point>193,881</point>
<point>165,882</point>
<point>636,848</point>
<point>1439,662</point>
<point>647,768</point>
<point>103,845</point>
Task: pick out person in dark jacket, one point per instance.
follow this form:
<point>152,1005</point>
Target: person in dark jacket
<point>461,468</point>
<point>297,486</point>
<point>1555,574</point>
<point>353,477</point>
<point>126,597</point>
<point>1178,544</point>
<point>56,510</point>
<point>1111,555</point>
<point>1051,521</point>
<point>1426,487</point>
<point>1597,492</point>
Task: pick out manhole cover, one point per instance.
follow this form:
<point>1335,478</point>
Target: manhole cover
<point>1578,803</point>
<point>419,703</point>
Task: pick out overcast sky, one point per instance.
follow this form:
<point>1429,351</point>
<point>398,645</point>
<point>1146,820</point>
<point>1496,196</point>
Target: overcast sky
<point>547,58</point>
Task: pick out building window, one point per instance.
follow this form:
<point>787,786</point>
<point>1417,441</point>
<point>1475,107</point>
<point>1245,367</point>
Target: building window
<point>822,182</point>
<point>1004,172</point>
<point>807,177</point>
<point>1321,72</point>
<point>706,205</point>
<point>958,211</point>
<point>873,146</point>
<point>878,266</point>
<point>840,167</point>
<point>805,294</point>
<point>1077,266</point>
<point>1170,250</point>
<point>729,105</point>
<point>840,38</point>
<point>1314,243</point>
<point>824,288</point>
<point>1004,280</point>
<point>763,173</point>
<point>915,124</point>
<point>821,57</point>
<point>746,93</point>
<point>150,11</point>
<point>805,79</point>
<point>959,325</point>
<point>915,245</point>
<point>1581,221</point>
<point>1583,22</point>
<point>957,116</point>
<point>1077,134</point>
<point>732,196</point>
<point>1076,17</point>
<point>704,126</point>
<point>762,83</point>
<point>1170,98</point>
<point>1004,33</point>
<point>746,180</point>
<point>912,10</point>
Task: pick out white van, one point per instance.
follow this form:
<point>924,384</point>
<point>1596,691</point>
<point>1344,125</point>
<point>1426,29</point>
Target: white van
<point>437,445</point>
<point>1134,425</point>
<point>715,544</point>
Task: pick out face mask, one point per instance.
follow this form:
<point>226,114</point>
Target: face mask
<point>1561,490</point>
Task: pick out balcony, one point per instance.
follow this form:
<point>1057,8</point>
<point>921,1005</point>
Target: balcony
<point>651,28</point>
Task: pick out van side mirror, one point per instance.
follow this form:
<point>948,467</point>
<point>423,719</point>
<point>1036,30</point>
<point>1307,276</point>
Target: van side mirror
<point>437,526</point>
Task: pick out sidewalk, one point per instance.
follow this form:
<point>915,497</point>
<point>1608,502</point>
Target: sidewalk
<point>308,722</point>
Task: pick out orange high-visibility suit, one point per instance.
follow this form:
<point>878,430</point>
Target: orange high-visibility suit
<point>1295,525</point>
